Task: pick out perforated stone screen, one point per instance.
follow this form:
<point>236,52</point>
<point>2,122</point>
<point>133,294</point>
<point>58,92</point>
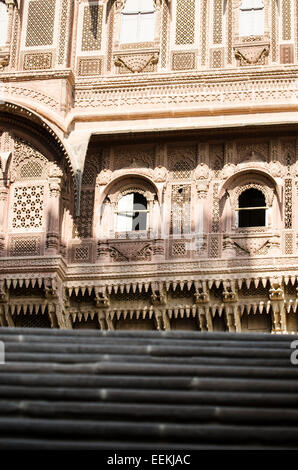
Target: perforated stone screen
<point>180,209</point>
<point>28,208</point>
<point>92,28</point>
<point>40,26</point>
<point>31,169</point>
<point>181,170</point>
<point>185,22</point>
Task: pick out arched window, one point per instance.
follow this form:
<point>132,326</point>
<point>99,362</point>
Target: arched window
<point>251,21</point>
<point>251,208</point>
<point>3,24</point>
<point>137,21</point>
<point>132,213</point>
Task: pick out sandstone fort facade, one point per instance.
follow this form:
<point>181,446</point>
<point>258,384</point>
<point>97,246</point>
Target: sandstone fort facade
<point>148,164</point>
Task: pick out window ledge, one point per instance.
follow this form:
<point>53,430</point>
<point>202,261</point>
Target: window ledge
<point>136,46</point>
<point>132,235</point>
<point>252,230</point>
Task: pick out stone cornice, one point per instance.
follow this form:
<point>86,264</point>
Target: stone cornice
<point>202,269</point>
<point>171,78</point>
<point>32,76</point>
<point>200,76</point>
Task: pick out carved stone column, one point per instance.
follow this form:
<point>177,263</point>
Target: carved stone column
<point>230,299</point>
<point>276,295</point>
<point>4,321</point>
<point>202,300</point>
<point>57,304</point>
<point>102,302</point>
<point>3,214</point>
<point>202,320</point>
<point>52,242</point>
<point>159,302</point>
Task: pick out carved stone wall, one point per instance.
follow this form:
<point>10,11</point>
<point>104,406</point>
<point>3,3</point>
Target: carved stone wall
<point>189,121</point>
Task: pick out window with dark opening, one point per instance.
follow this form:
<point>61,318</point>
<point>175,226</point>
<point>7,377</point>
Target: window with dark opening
<point>252,209</point>
<point>132,213</point>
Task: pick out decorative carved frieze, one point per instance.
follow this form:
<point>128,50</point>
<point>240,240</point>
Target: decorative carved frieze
<point>193,89</point>
<point>136,63</point>
<point>126,250</point>
<point>252,54</point>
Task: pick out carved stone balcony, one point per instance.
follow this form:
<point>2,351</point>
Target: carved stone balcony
<point>130,250</point>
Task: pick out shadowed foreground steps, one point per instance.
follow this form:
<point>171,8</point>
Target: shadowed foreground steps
<point>147,390</point>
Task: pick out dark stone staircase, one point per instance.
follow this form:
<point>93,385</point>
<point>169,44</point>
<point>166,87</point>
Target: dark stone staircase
<point>62,389</point>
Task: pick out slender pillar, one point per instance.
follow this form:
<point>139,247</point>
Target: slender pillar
<point>54,210</point>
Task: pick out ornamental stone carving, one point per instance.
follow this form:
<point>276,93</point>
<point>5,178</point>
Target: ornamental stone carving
<point>136,63</point>
<point>124,251</point>
<point>276,169</point>
<point>104,177</point>
<point>252,55</point>
<point>202,175</point>
<point>4,60</point>
<point>160,174</point>
<point>55,180</point>
<point>228,170</point>
<point>202,172</point>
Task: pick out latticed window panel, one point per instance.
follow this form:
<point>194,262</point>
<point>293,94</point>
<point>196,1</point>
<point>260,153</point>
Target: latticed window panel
<point>217,21</point>
<point>28,208</point>
<point>28,246</point>
<point>274,31</point>
<point>81,254</point>
<point>31,169</point>
<point>86,217</point>
<point>89,66</point>
<point>40,25</point>
<point>180,209</point>
<point>32,321</point>
<point>286,20</point>
<point>38,61</point>
<point>217,58</point>
<point>214,246</point>
<point>89,175</point>
<point>289,243</point>
<point>288,203</point>
<point>92,28</point>
<point>185,22</point>
<point>181,170</point>
<point>179,249</point>
<point>183,61</point>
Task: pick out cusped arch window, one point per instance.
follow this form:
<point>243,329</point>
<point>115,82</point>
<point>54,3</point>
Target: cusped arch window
<point>252,18</point>
<point>137,21</point>
<point>252,208</point>
<point>132,213</point>
<point>3,24</point>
